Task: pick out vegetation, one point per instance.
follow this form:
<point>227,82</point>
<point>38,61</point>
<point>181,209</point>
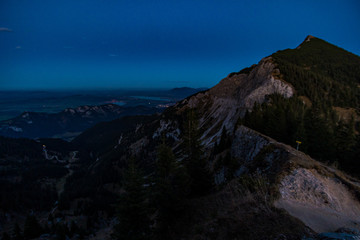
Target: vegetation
<point>133,210</point>
<point>162,194</point>
<point>103,136</point>
<point>20,148</point>
<point>327,75</point>
<point>194,160</point>
<point>170,189</point>
<point>320,133</point>
<point>224,161</point>
<point>25,175</point>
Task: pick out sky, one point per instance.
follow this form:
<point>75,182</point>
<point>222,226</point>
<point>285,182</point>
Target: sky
<point>97,44</point>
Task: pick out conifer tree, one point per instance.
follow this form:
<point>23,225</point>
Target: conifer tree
<point>201,178</point>
<point>170,189</point>
<point>133,208</point>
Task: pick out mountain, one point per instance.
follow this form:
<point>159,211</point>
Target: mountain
<point>29,178</point>
<point>271,152</point>
<point>299,103</point>
<point>68,123</point>
<point>185,91</point>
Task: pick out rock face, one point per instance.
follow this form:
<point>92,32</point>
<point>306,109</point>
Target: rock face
<point>322,203</point>
<point>223,104</point>
<point>322,198</point>
<point>298,188</point>
<point>319,196</point>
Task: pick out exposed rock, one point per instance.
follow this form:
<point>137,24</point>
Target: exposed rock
<point>223,104</point>
<point>308,190</point>
<point>307,39</point>
<point>247,144</point>
<point>321,202</point>
<point>138,145</point>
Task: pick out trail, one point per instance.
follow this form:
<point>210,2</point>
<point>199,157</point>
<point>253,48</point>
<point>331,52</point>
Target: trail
<point>61,183</point>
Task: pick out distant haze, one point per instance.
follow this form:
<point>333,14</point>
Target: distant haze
<point>89,44</point>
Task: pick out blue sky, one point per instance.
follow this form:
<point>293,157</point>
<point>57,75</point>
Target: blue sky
<point>84,44</point>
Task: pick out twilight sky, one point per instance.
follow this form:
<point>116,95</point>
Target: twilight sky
<point>84,44</point>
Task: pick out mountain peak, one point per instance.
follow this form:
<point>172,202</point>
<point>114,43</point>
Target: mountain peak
<point>307,39</point>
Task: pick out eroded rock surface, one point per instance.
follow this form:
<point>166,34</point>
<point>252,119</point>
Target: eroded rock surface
<point>322,203</point>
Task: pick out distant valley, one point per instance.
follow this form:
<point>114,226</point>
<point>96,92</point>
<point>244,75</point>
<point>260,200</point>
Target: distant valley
<point>42,120</point>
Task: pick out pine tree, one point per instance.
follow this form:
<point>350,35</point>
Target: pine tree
<point>319,136</point>
<point>133,208</point>
<point>201,178</point>
<point>170,189</point>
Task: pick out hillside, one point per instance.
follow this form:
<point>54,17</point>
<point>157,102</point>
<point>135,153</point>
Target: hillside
<point>324,112</point>
<point>324,73</point>
<point>263,98</point>
<point>68,123</point>
<point>223,163</point>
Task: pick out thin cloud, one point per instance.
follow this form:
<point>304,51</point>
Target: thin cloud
<point>18,47</point>
<point>3,29</point>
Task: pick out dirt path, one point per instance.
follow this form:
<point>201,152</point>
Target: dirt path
<point>61,183</point>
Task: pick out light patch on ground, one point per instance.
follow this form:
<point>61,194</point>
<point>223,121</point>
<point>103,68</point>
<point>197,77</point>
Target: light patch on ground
<point>322,203</point>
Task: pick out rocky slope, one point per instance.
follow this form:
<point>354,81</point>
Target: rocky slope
<point>320,197</point>
<point>228,101</point>
<point>323,198</point>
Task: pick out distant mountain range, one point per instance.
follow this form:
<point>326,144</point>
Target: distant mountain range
<point>72,121</point>
<point>68,123</point>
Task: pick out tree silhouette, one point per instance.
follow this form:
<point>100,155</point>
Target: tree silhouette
<point>201,178</point>
<point>132,208</point>
<point>170,189</point>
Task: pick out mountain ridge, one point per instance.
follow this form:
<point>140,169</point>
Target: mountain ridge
<point>68,123</point>
<point>240,136</point>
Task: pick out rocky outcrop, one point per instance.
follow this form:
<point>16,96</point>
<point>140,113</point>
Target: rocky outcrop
<point>223,104</point>
<point>321,197</point>
<point>322,203</point>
